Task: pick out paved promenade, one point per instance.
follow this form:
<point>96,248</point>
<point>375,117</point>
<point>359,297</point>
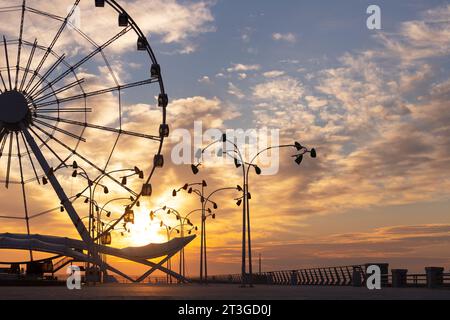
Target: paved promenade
<point>217,292</point>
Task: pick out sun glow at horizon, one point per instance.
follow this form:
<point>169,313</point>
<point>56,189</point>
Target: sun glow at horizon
<point>144,231</point>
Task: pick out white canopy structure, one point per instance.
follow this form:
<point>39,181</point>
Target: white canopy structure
<point>74,249</point>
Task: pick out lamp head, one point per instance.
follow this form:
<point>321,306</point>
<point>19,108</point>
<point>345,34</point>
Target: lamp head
<point>299,159</point>
<point>237,163</point>
<point>194,168</point>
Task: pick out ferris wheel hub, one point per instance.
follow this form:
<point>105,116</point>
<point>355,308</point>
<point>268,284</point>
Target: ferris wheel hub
<point>14,110</point>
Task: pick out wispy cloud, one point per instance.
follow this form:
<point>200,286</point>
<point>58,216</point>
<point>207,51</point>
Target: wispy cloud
<point>287,37</point>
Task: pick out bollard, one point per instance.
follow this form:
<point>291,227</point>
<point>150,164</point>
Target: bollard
<point>399,277</point>
<point>356,277</point>
<point>294,279</point>
<point>435,277</point>
<point>270,278</point>
<point>384,268</point>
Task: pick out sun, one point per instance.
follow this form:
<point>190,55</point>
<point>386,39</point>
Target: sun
<point>144,231</point>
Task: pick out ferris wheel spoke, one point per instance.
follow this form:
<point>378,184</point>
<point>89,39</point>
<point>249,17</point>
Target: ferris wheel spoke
<point>11,218</point>
<point>3,138</point>
<point>47,73</point>
<point>8,165</point>
<point>55,39</point>
<point>3,81</point>
<point>60,90</point>
<point>19,51</point>
<point>34,216</point>
<point>64,110</point>
<point>67,133</point>
<point>96,93</point>
<point>92,164</point>
<point>84,60</point>
<point>27,69</point>
<point>24,194</point>
<point>44,14</point>
<point>30,158</point>
<point>93,126</point>
<point>7,62</point>
<point>46,145</point>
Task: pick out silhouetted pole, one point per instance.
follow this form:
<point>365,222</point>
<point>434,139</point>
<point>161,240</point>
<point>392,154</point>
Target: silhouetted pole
<point>260,263</point>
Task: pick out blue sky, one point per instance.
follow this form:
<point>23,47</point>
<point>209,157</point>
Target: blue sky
<point>323,29</point>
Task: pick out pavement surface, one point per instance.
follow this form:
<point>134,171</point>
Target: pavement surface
<point>218,292</point>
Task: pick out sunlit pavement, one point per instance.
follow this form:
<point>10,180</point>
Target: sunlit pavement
<point>217,292</point>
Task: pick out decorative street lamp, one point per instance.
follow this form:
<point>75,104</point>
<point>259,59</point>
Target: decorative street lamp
<point>239,162</point>
<point>97,232</point>
<point>169,231</point>
<point>204,200</point>
<point>183,221</point>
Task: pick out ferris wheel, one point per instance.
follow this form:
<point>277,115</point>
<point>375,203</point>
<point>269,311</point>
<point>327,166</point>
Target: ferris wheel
<point>80,89</point>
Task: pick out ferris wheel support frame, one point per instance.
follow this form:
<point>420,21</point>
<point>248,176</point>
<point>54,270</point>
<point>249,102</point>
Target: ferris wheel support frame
<point>65,202</point>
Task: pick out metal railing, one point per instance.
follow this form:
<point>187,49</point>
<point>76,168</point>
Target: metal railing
<point>328,276</point>
<point>354,275</point>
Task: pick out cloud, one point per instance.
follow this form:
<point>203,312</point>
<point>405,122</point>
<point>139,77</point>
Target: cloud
<point>235,91</point>
<point>205,80</point>
<point>239,67</point>
<point>172,21</point>
<point>274,74</point>
<point>286,89</point>
<point>315,102</point>
<point>420,39</point>
<point>287,37</point>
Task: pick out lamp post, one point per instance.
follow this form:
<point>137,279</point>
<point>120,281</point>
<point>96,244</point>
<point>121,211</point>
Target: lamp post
<point>169,231</point>
<point>92,186</point>
<point>204,202</point>
<point>183,221</point>
<point>239,161</point>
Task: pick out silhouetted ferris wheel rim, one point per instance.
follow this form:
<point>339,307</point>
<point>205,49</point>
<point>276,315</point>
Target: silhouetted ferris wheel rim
<point>42,101</point>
